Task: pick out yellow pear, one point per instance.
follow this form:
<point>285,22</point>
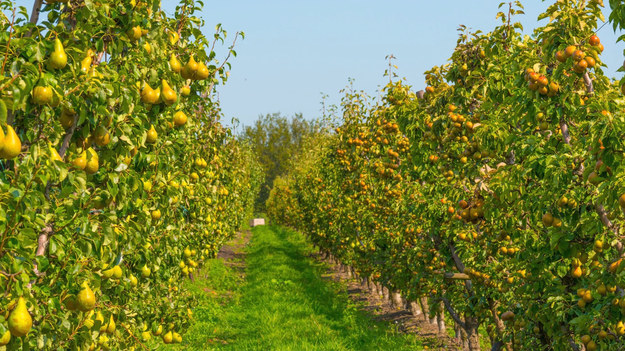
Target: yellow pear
<point>85,298</point>
<point>20,320</point>
<point>180,118</point>
<point>58,58</point>
<point>42,95</point>
<point>92,161</point>
<point>11,146</point>
<point>177,338</point>
<point>156,215</point>
<point>152,135</point>
<point>185,91</point>
<point>117,272</point>
<point>168,337</point>
<point>148,48</point>
<point>54,155</point>
<point>175,64</point>
<point>146,271</point>
<point>134,33</point>
<point>173,37</point>
<point>188,71</point>
<point>80,162</point>
<point>149,95</point>
<point>202,71</point>
<point>110,328</point>
<point>6,337</point>
<point>168,94</point>
<point>85,64</point>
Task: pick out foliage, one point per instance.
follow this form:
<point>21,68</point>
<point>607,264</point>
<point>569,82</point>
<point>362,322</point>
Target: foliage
<point>498,193</point>
<point>125,180</point>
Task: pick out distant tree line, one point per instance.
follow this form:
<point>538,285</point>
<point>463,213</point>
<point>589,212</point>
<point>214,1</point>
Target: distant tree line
<point>276,139</point>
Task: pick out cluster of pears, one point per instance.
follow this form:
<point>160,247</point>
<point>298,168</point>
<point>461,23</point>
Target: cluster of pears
<point>163,94</point>
<point>540,83</point>
<point>192,70</point>
<point>190,263</point>
<point>43,94</point>
<point>550,221</point>
<point>581,60</point>
<point>87,161</point>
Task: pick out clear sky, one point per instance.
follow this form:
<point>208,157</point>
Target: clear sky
<point>296,50</point>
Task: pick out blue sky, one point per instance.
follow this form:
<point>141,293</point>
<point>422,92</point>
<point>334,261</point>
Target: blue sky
<point>296,50</point>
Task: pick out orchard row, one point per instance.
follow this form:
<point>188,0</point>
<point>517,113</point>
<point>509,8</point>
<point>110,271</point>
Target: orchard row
<point>496,196</point>
<point>117,179</point>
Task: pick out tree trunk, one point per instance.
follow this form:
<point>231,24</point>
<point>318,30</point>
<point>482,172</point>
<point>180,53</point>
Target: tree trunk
<point>440,319</point>
<point>386,295</point>
<point>397,301</point>
<point>349,272</point>
<point>374,288</point>
<point>425,308</point>
<point>415,309</point>
<point>472,333</point>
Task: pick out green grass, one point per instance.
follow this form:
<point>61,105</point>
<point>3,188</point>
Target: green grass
<point>283,304</point>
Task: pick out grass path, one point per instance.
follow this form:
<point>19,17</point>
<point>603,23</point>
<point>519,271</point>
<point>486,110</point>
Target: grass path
<point>281,303</point>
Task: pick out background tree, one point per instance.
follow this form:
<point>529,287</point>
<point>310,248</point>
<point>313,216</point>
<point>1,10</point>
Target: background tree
<point>276,139</point>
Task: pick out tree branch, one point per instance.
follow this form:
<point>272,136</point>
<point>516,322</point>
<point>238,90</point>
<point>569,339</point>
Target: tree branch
<point>453,313</point>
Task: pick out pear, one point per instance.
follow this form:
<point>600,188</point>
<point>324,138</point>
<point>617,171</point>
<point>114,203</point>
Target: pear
<point>175,64</point>
<point>148,48</point>
<point>149,95</point>
<point>101,136</point>
<point>134,33</point>
<point>20,320</point>
<point>151,135</point>
<point>110,328</point>
<point>168,337</point>
<point>117,272</point>
<point>92,161</point>
<point>156,215</point>
<point>186,90</point>
<point>85,298</point>
<point>173,37</point>
<point>168,94</point>
<point>107,274</point>
<point>85,64</point>
<point>133,280</point>
<point>54,155</point>
<point>180,118</point>
<point>146,271</point>
<point>202,72</point>
<point>58,58</point>
<point>42,95</point>
<point>177,338</point>
<point>11,146</point>
<point>6,337</point>
<point>188,71</point>
<point>67,117</point>
<point>80,162</point>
